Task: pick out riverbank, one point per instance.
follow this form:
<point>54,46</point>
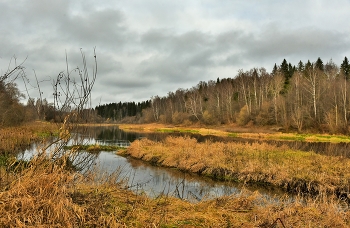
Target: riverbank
<point>15,139</point>
<point>48,194</point>
<point>258,163</point>
<point>237,131</point>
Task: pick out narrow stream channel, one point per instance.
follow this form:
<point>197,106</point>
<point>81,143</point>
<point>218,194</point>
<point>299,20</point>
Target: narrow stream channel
<point>142,177</point>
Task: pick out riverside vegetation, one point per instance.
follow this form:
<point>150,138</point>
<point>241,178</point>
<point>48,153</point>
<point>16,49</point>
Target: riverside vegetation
<point>46,193</point>
<point>294,171</point>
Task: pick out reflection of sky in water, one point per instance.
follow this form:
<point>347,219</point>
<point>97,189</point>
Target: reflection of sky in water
<point>152,180</point>
<point>156,180</point>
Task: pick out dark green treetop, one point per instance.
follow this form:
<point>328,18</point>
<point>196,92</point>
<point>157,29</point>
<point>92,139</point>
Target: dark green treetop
<point>319,64</point>
<point>345,68</point>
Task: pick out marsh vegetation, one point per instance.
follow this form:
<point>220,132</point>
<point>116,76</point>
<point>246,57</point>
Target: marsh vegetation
<point>50,194</point>
<point>60,185</point>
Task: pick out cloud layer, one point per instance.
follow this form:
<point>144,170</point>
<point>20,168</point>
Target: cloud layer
<point>147,48</point>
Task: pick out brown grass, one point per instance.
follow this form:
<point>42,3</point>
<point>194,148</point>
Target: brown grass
<point>233,130</point>
<point>259,163</point>
<point>47,194</point>
<point>15,139</point>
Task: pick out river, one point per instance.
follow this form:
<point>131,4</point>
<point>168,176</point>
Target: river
<point>153,181</point>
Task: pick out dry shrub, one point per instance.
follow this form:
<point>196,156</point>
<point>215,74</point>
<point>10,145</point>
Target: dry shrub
<point>243,116</point>
<point>208,118</point>
<point>179,117</point>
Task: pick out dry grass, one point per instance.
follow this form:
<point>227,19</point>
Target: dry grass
<point>236,131</point>
<point>15,139</point>
<point>39,198</point>
<point>48,195</point>
<point>259,163</point>
<point>43,193</point>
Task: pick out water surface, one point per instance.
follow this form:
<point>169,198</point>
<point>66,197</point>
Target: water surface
<point>142,177</point>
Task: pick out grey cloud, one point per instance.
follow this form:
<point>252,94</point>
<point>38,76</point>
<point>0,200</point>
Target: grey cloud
<point>123,83</point>
<point>234,39</point>
<point>273,44</point>
<point>300,43</point>
<point>177,58</point>
<point>182,44</point>
<point>105,27</point>
<point>191,42</point>
<point>156,39</point>
<point>168,69</point>
<point>151,48</point>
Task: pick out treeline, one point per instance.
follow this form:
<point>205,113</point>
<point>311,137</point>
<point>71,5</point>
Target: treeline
<point>13,112</point>
<point>311,95</point>
<point>122,111</point>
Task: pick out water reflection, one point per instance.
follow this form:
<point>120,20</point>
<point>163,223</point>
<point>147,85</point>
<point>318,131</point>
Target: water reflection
<point>112,134</point>
<point>154,181</point>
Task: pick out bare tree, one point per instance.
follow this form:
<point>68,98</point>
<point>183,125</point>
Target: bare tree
<point>193,103</point>
<point>276,87</point>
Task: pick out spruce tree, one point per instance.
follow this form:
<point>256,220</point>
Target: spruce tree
<point>301,66</point>
<point>285,69</point>
<point>308,66</point>
<point>319,64</point>
<point>291,70</point>
<point>275,69</point>
<point>345,68</point>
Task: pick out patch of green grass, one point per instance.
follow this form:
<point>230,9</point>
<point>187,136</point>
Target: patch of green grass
<point>166,130</point>
<point>188,131</point>
<point>340,138</point>
<point>233,135</point>
<point>4,160</point>
<point>46,134</point>
<point>324,136</point>
<point>293,138</point>
<point>93,148</point>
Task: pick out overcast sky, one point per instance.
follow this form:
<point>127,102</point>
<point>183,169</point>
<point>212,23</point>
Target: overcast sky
<point>150,47</point>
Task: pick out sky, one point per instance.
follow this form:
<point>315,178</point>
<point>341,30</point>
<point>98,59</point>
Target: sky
<point>146,48</point>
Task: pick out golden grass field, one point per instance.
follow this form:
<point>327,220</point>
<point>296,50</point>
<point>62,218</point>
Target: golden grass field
<point>47,194</point>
